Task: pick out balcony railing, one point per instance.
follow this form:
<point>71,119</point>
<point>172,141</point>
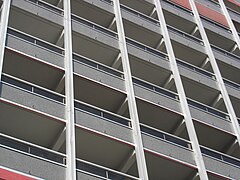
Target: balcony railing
<point>195,68</point>
<point>178,6</point>
<point>184,34</point>
<point>202,17</point>
<point>47,6</point>
<point>94,26</point>
<point>146,48</point>
<point>97,65</point>
<point>31,149</point>
<point>108,1</point>
<point>232,84</point>
<point>208,109</point>
<point>32,88</point>
<point>102,113</point>
<point>140,15</point>
<point>165,136</point>
<point>220,156</point>
<point>36,41</point>
<point>102,172</point>
<point>155,88</point>
<point>226,53</point>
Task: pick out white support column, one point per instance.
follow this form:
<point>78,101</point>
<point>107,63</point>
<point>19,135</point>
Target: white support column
<point>230,23</point>
<point>3,30</point>
<point>216,71</point>
<point>183,100</point>
<point>140,156</point>
<point>69,92</point>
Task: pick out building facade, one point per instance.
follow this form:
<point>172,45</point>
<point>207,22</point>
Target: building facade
<point>120,89</point>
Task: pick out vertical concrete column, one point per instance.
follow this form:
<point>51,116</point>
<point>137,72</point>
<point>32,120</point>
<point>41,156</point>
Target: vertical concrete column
<point>230,23</point>
<point>69,93</point>
<point>216,71</point>
<point>141,162</point>
<point>182,96</point>
<point>3,30</point>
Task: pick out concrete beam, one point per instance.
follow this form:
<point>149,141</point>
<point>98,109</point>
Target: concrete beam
<point>160,45</point>
<point>230,148</point>
<point>117,62</point>
<point>169,82</point>
<point>59,140</point>
<point>61,85</point>
<point>217,101</point>
<point>123,107</point>
<point>194,31</point>
<point>112,23</point>
<point>179,128</point>
<point>234,48</point>
<point>152,12</point>
<point>128,162</point>
<point>60,3</point>
<point>206,63</point>
<point>60,39</point>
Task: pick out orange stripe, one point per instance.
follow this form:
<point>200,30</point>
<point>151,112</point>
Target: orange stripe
<point>205,11</point>
<point>9,175</point>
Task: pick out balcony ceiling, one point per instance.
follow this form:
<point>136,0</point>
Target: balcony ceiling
<point>29,126</point>
<point>31,70</point>
<point>157,117</point>
<point>97,94</point>
<point>167,169</point>
<point>50,31</point>
<point>101,150</point>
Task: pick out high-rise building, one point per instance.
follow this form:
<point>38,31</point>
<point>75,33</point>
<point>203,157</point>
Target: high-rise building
<point>119,89</point>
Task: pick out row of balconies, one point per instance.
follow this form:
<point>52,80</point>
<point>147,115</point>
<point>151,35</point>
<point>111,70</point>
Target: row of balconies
<point>90,76</point>
<point>227,61</point>
<point>40,105</point>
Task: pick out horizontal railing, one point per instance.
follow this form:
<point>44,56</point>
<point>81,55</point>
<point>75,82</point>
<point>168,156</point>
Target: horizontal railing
<point>178,6</point>
<point>139,14</point>
<point>155,88</point>
<point>48,6</point>
<point>31,149</point>
<point>146,48</point>
<point>102,172</point>
<point>97,65</point>
<point>35,40</point>
<point>32,88</point>
<point>202,17</point>
<point>195,68</point>
<point>165,136</point>
<point>154,21</point>
<point>208,109</point>
<point>210,21</point>
<point>94,26</point>
<point>102,113</point>
<point>232,84</point>
<point>220,156</point>
<point>226,53</point>
<point>108,1</point>
<point>184,34</point>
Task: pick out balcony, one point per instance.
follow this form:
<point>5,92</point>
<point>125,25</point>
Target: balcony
<point>104,150</point>
<point>35,47</point>
<point>31,159</point>
<point>221,163</point>
<point>40,15</point>
<point>89,37</point>
<point>103,121</point>
<point>98,12</point>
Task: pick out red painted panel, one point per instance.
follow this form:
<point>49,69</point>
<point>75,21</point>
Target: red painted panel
<point>205,11</point>
<point>9,175</point>
<point>212,14</point>
<point>184,3</point>
<point>234,2</point>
